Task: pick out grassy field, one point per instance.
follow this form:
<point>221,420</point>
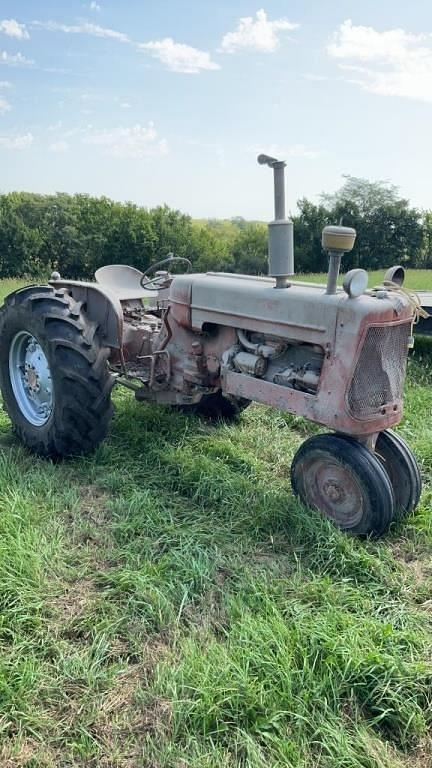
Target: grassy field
<point>166,603</point>
<point>416,279</point>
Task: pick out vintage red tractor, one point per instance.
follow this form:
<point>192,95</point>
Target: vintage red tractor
<point>215,342</point>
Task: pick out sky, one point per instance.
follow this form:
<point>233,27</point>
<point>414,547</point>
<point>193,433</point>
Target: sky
<point>166,101</point>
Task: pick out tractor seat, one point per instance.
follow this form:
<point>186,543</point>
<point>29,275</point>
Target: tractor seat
<point>123,281</point>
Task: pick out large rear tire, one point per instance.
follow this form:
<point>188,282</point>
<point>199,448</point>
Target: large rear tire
<point>346,482</point>
<point>54,374</point>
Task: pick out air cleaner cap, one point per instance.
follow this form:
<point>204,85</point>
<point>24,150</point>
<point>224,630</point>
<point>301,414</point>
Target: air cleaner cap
<point>338,239</point>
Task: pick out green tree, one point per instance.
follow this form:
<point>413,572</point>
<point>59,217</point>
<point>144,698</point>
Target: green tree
<point>308,253</point>
<point>250,250</point>
<point>425,258</point>
<point>388,230</point>
<point>209,250</point>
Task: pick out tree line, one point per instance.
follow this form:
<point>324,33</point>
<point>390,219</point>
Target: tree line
<point>76,234</point>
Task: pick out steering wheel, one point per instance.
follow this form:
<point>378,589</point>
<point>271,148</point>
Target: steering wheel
<point>168,260</point>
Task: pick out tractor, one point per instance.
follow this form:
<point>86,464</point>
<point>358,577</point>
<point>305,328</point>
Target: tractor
<point>213,343</point>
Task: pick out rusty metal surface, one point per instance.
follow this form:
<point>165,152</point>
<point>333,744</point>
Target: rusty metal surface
<point>380,370</point>
<point>102,307</point>
<point>252,303</point>
<point>200,329</point>
<point>327,409</point>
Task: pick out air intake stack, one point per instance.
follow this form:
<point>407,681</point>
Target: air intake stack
<point>281,231</point>
<point>336,241</point>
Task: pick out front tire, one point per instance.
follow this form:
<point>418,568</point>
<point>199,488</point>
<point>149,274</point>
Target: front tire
<point>54,375</point>
<point>346,482</point>
<point>401,466</point>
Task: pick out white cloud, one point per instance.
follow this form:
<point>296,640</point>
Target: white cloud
<point>55,126</point>
<point>86,28</point>
<point>13,28</point>
<point>5,84</point>
<point>15,60</point>
<point>179,57</point>
<point>16,142</point>
<point>125,105</point>
<point>257,33</point>
<point>390,63</point>
<point>59,147</point>
<point>137,141</point>
<point>94,6</point>
<point>4,106</point>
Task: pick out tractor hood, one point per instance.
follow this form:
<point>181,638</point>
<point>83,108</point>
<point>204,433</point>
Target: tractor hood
<point>301,311</point>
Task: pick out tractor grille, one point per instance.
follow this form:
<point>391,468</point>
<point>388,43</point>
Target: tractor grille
<point>380,371</point>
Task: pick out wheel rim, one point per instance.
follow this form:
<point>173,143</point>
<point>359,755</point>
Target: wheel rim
<point>333,489</point>
<point>30,378</point>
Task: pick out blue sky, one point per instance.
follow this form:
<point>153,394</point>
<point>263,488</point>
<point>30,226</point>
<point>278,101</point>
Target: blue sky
<point>169,101</point>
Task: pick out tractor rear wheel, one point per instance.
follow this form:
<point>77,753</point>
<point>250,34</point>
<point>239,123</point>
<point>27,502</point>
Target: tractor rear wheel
<point>346,482</point>
<point>54,375</point>
<point>401,466</point>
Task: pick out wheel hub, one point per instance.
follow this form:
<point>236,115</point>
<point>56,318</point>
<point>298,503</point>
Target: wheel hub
<point>30,378</point>
<point>334,492</point>
<point>333,489</point>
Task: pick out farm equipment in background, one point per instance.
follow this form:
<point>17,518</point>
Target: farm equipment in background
<point>213,343</point>
<point>424,325</point>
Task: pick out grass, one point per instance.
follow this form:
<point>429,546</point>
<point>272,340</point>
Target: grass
<point>416,279</point>
<point>166,603</point>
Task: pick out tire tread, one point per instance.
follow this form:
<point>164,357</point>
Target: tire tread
<point>83,381</point>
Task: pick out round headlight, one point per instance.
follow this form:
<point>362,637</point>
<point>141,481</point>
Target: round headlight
<point>355,282</point>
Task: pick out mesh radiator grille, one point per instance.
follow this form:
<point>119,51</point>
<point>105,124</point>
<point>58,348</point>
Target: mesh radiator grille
<point>380,371</point>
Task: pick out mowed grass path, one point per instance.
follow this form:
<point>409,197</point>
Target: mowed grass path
<point>166,603</point>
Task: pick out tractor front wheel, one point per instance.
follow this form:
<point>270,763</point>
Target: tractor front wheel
<point>54,375</point>
<point>346,482</point>
<point>401,466</point>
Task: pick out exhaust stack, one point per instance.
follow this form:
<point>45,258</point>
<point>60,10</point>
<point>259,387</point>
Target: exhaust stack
<point>281,230</point>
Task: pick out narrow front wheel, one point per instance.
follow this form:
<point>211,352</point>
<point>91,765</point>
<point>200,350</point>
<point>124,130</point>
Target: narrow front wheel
<point>346,482</point>
<point>401,466</point>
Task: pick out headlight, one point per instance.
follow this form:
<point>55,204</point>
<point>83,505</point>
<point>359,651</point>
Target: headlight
<point>395,275</point>
<point>355,282</point>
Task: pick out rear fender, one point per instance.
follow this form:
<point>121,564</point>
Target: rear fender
<point>101,307</point>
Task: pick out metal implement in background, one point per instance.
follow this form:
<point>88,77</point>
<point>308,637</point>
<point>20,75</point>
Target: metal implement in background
<point>215,342</point>
<point>424,325</point>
